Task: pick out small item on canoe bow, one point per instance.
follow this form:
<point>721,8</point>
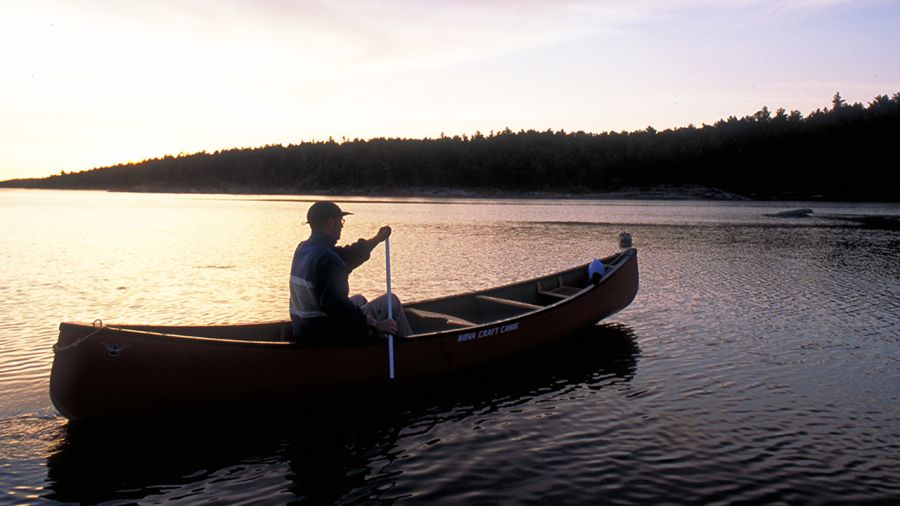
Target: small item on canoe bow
<point>115,349</point>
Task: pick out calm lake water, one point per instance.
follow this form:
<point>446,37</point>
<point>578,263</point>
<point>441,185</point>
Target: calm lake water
<point>760,362</point>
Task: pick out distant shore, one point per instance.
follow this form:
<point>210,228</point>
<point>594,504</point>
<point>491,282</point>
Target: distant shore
<point>842,154</point>
<point>693,192</point>
<point>654,193</point>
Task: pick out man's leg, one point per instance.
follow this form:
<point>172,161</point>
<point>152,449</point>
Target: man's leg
<point>377,309</point>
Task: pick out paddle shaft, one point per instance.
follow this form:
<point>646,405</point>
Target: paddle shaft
<point>387,263</point>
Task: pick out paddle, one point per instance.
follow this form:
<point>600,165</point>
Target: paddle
<point>387,262</point>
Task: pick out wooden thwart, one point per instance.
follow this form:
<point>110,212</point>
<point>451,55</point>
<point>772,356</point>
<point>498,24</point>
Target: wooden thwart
<point>452,320</point>
<point>560,292</point>
<point>508,302</point>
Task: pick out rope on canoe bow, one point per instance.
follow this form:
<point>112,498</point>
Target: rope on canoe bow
<point>98,326</point>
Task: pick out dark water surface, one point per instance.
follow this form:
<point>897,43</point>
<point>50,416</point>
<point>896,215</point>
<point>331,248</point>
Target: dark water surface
<point>758,364</point>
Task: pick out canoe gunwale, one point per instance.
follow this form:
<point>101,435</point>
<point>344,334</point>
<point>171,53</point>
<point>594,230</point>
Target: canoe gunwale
<point>156,335</point>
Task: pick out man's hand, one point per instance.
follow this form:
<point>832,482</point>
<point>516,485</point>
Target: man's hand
<point>383,233</point>
<point>386,326</point>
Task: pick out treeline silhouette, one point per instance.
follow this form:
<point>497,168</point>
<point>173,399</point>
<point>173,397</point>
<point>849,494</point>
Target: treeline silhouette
<point>845,152</point>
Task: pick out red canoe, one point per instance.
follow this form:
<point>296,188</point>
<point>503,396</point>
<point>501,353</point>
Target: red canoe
<point>119,370</point>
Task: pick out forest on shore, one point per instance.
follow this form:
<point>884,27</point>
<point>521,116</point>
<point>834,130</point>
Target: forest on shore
<point>844,152</point>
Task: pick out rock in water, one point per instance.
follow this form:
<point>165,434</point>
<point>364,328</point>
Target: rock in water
<point>793,213</point>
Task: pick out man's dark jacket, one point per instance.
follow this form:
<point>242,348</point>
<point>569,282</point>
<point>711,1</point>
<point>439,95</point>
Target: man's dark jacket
<point>320,306</point>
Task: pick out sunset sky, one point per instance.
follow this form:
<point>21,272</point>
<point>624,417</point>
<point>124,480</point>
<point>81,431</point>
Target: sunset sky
<point>91,83</point>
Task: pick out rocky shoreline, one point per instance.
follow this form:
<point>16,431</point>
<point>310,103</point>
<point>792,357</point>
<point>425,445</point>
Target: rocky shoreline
<point>653,193</point>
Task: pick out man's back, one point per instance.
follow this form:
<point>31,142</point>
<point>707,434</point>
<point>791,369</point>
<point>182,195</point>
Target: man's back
<point>319,282</point>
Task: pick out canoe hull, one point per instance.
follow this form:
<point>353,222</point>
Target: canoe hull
<point>102,372</point>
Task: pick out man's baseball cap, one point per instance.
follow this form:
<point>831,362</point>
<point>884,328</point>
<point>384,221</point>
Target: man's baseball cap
<point>322,211</point>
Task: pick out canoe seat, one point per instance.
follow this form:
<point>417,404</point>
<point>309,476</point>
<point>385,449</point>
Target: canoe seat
<point>560,292</point>
<point>451,320</point>
<point>509,302</point>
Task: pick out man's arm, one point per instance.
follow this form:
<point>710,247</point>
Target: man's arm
<point>382,234</point>
<point>334,291</point>
<point>357,253</point>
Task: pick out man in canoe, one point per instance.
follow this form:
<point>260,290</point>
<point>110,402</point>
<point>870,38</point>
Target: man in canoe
<point>321,309</point>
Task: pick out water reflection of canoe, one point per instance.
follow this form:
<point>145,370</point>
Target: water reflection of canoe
<point>118,370</point>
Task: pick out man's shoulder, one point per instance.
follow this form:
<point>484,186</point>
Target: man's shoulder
<point>315,250</point>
